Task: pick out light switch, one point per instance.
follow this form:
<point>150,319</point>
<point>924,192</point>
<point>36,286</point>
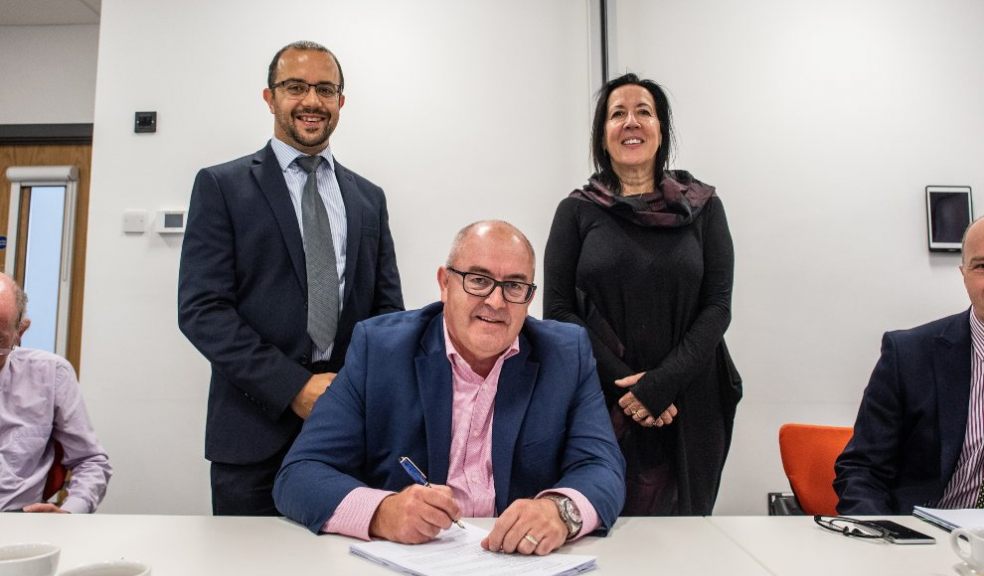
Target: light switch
<point>134,221</point>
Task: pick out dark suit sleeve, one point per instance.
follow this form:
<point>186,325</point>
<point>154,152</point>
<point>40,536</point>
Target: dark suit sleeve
<point>661,385</point>
<point>207,306</point>
<point>388,293</point>
<point>559,286</point>
<point>325,460</point>
<point>870,463</point>
<point>592,462</point>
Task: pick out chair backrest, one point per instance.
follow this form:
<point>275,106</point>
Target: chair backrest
<point>808,454</point>
<point>56,474</point>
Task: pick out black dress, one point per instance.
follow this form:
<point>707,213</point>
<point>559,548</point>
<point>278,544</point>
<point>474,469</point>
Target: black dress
<point>654,299</point>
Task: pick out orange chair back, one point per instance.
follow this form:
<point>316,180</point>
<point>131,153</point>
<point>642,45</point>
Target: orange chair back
<point>808,455</point>
<point>56,475</point>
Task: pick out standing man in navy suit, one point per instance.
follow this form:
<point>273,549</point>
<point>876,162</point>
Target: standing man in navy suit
<point>284,251</point>
<point>919,435</point>
<point>502,412</point>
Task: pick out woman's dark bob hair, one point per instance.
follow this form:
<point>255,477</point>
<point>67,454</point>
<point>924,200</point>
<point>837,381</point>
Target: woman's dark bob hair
<point>602,161</point>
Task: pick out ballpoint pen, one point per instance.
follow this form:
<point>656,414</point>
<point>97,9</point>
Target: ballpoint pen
<point>417,476</point>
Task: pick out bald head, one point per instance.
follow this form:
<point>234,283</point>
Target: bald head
<point>13,322</point>
<point>975,229</point>
<point>499,232</point>
<point>972,266</point>
<point>13,303</point>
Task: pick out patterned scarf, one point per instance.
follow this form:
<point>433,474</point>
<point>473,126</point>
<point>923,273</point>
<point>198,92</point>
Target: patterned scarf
<point>676,202</point>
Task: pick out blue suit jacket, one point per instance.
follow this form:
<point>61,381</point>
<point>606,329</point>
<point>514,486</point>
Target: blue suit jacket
<point>393,398</point>
<point>911,424</point>
<point>242,296</point>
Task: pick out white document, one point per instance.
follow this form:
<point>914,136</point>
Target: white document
<point>459,551</point>
<point>951,519</point>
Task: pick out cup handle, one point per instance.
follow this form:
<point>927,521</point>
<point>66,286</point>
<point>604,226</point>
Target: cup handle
<point>955,538</point>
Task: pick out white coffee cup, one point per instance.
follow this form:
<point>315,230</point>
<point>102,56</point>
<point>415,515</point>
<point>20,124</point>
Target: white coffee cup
<point>969,545</point>
<point>115,568</point>
<point>35,559</point>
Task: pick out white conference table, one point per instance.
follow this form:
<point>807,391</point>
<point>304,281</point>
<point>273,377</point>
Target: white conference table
<point>794,545</point>
<point>733,546</point>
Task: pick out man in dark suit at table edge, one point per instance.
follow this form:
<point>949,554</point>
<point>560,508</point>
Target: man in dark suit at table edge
<point>919,435</point>
<point>284,251</point>
<point>502,412</point>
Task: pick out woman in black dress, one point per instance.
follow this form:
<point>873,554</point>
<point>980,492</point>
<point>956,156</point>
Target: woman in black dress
<point>642,257</point>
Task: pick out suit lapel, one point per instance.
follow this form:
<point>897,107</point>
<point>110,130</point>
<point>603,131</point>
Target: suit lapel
<point>434,384</point>
<point>512,399</point>
<point>353,221</point>
<point>270,178</point>
<point>952,372</point>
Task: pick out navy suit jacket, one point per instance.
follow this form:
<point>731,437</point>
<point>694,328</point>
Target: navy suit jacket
<point>911,424</point>
<point>393,398</point>
<point>242,296</point>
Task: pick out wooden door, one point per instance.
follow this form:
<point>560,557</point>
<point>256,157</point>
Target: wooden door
<point>80,156</point>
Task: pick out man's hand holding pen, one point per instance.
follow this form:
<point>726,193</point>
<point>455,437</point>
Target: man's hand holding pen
<point>415,515</point>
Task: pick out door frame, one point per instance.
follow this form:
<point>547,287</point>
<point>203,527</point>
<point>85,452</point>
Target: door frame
<point>27,177</point>
<point>63,134</point>
<point>45,133</point>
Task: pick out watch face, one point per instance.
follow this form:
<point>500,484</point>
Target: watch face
<point>572,511</point>
<point>569,513</point>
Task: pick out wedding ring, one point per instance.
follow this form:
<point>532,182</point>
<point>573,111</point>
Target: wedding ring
<point>529,538</point>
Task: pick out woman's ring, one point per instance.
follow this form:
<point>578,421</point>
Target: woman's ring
<point>531,539</point>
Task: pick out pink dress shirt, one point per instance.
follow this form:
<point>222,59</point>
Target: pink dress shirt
<point>470,467</point>
<point>40,399</point>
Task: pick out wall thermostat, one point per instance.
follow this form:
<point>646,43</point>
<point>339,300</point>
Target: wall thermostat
<point>171,221</point>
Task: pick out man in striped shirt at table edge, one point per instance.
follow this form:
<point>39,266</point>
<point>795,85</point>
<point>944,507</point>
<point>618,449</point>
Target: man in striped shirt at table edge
<point>919,433</point>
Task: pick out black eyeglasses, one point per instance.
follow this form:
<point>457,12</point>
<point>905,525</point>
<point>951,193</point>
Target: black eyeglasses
<point>851,527</point>
<point>481,285</point>
<point>300,88</point>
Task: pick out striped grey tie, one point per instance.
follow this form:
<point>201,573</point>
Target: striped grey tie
<point>319,254</point>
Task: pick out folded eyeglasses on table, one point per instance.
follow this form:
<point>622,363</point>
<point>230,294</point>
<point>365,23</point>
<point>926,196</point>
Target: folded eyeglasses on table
<point>851,527</point>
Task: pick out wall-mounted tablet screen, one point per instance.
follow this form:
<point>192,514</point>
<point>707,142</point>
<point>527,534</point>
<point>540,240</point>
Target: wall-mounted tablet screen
<point>949,210</point>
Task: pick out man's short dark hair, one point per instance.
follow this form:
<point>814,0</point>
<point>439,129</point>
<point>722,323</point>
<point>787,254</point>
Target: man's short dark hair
<point>303,45</point>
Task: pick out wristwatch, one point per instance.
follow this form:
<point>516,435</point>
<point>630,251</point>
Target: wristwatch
<point>568,513</point>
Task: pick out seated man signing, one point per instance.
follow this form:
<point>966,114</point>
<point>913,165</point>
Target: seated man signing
<point>40,402</point>
<point>502,412</point>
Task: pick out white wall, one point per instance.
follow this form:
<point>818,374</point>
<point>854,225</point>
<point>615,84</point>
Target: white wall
<point>49,74</point>
<point>460,110</point>
<point>820,123</point>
